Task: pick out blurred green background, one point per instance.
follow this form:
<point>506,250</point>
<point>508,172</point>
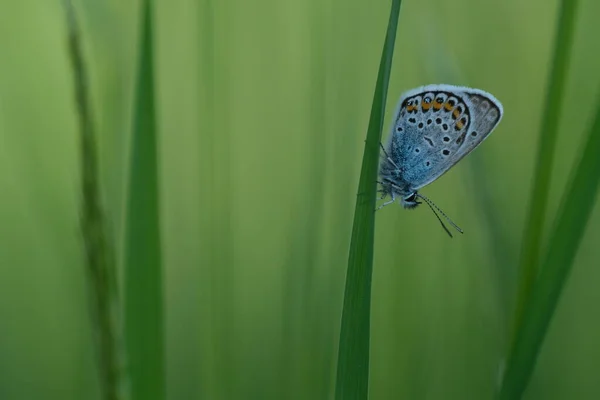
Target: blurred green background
<point>262,114</point>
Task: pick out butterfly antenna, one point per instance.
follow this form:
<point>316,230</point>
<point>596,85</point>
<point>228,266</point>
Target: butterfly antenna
<point>439,219</point>
<point>433,207</point>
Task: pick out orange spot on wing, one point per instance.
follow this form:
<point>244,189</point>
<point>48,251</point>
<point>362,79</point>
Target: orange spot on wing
<point>459,125</point>
<point>426,106</point>
<point>448,106</point>
<point>437,105</point>
<point>460,139</point>
<point>410,108</point>
<point>456,113</point>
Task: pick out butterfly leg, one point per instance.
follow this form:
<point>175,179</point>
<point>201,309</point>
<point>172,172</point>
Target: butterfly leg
<point>387,202</point>
<point>378,191</point>
<point>387,156</point>
<point>385,192</point>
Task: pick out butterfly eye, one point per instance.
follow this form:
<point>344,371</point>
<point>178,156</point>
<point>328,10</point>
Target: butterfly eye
<point>411,199</point>
<point>439,100</point>
<point>427,100</point>
<point>409,103</point>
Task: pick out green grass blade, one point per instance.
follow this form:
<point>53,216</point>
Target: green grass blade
<point>99,250</point>
<point>143,275</point>
<point>528,267</point>
<point>577,205</point>
<point>353,357</point>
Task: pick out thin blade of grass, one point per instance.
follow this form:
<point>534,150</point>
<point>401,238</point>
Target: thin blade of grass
<point>143,274</point>
<point>353,358</point>
<point>99,250</point>
<point>530,252</point>
<point>577,205</point>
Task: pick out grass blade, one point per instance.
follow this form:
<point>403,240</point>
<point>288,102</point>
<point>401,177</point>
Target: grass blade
<point>143,275</point>
<point>353,357</point>
<point>99,251</point>
<point>577,205</point>
<point>528,267</point>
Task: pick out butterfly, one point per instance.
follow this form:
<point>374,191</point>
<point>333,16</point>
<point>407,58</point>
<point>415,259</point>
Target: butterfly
<point>434,127</point>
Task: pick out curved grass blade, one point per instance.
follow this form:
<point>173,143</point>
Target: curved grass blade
<point>143,274</point>
<point>577,205</point>
<point>99,251</point>
<point>353,358</point>
<point>528,267</point>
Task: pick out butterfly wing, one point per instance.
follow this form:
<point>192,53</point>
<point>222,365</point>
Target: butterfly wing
<point>435,126</point>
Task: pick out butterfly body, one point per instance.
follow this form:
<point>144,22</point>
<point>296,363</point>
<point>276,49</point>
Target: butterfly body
<point>434,127</point>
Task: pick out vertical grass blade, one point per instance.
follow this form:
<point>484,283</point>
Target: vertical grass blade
<point>528,267</point>
<point>99,251</point>
<point>577,205</point>
<point>353,358</point>
<point>143,275</point>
